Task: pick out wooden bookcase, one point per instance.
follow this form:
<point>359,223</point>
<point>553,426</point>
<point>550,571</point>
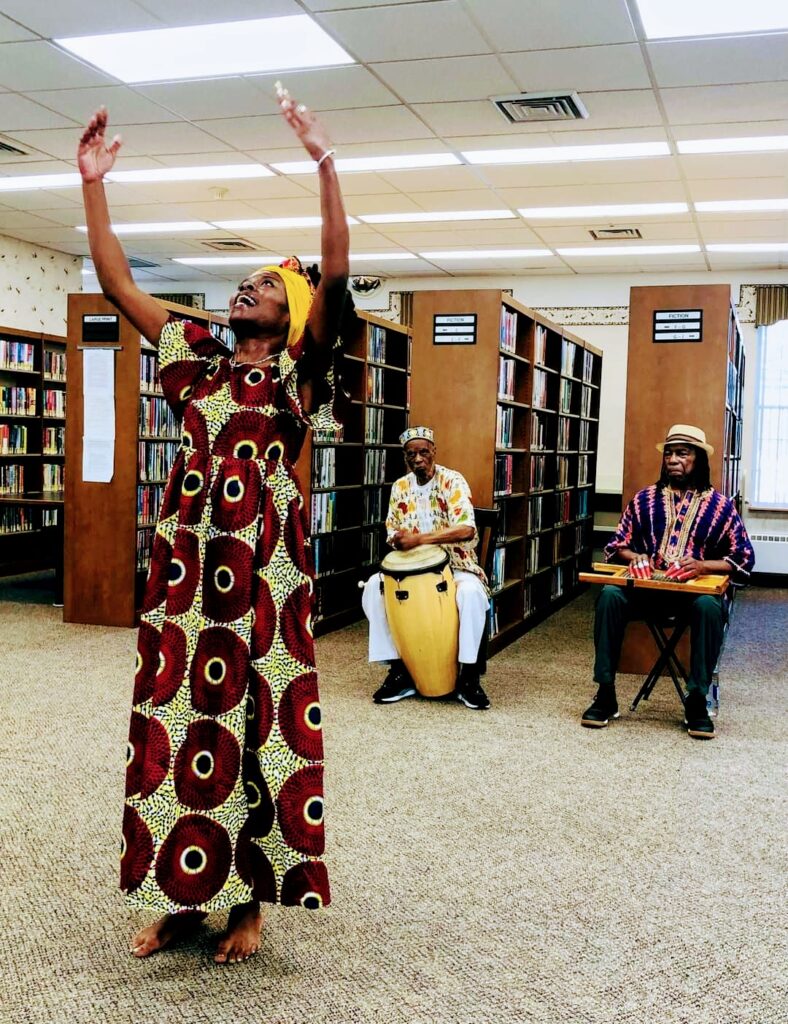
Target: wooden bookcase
<point>347,481</point>
<point>697,382</point>
<point>32,451</point>
<point>109,526</point>
<point>517,414</point>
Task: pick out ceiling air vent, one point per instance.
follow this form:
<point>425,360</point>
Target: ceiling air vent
<point>227,245</point>
<point>541,106</point>
<point>7,147</point>
<point>136,263</point>
<point>614,234</point>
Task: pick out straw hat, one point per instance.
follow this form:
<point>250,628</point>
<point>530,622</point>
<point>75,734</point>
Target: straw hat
<point>689,435</point>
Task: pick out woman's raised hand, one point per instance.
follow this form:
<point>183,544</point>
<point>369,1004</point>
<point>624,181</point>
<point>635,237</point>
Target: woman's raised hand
<point>304,123</point>
<point>94,157</point>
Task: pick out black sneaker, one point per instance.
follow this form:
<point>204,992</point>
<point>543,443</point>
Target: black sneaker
<point>396,686</point>
<point>470,692</point>
<point>604,708</point>
<point>696,716</point>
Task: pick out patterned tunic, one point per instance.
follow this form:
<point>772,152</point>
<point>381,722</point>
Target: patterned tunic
<point>224,798</point>
<point>450,504</point>
<point>702,524</point>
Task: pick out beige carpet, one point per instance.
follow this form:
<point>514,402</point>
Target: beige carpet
<point>502,867</point>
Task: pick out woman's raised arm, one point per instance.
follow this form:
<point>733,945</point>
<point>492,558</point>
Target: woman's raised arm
<point>95,159</point>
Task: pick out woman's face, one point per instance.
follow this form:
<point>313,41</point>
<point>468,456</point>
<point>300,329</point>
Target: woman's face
<point>259,301</point>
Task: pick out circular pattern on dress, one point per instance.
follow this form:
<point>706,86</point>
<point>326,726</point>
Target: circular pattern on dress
<point>195,426</point>
<point>170,501</point>
<point>264,622</point>
<point>227,579</point>
<point>260,711</point>
<point>295,623</point>
<point>158,576</point>
<point>254,867</point>
<point>194,860</point>
<point>218,674</point>
<point>183,573</point>
<point>248,431</point>
<point>306,885</point>
<point>206,765</point>
<point>148,640</point>
<point>171,667</point>
<point>300,717</point>
<point>295,536</point>
<point>136,850</point>
<point>300,810</point>
<point>235,495</point>
<point>268,531</point>
<point>177,380</point>
<point>193,491</point>
<point>147,755</point>
<point>260,809</point>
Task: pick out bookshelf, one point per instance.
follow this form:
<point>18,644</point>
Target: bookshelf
<point>699,382</point>
<point>517,414</point>
<point>347,481</point>
<point>109,527</point>
<point>32,451</point>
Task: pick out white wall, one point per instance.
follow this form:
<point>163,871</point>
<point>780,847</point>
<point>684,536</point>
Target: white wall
<point>34,286</point>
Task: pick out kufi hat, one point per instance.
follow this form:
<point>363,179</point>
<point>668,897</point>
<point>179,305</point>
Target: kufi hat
<point>684,432</point>
<point>415,433</point>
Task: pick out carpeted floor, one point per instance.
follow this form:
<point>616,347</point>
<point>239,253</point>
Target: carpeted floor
<point>487,868</point>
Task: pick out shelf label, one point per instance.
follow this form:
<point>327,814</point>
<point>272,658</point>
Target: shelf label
<point>454,329</point>
<point>100,327</point>
<point>678,325</point>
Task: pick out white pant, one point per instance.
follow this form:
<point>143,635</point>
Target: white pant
<point>472,605</point>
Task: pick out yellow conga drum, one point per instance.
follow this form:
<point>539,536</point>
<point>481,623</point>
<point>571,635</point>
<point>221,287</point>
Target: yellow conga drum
<point>421,607</point>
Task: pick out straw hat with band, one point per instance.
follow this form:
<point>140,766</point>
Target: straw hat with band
<point>684,433</point>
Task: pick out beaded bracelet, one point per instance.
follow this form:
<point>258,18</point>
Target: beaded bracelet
<point>326,155</point>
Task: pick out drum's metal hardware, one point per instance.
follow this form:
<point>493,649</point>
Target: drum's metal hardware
<point>442,587</point>
<point>401,595</point>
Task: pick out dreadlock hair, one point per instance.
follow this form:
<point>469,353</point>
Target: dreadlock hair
<point>701,476</point>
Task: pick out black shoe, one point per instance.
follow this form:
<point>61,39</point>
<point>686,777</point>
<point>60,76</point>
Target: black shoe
<point>469,690</point>
<point>396,686</point>
<point>604,708</point>
<point>696,716</point>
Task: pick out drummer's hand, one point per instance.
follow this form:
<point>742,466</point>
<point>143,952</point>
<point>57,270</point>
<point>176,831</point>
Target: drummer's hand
<point>689,568</point>
<point>641,567</point>
<point>405,541</point>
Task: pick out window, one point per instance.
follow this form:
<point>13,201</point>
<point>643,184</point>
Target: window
<point>770,461</point>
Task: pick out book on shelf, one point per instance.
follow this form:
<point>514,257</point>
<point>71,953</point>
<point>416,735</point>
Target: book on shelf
<point>538,472</point>
<point>540,344</point>
<point>376,344</point>
<point>539,393</point>
<point>16,519</point>
<point>16,401</point>
<point>566,395</point>
<point>508,332</point>
<point>322,548</point>
<point>375,384</point>
<point>504,426</point>
<point>157,419</point>
<point>558,581</point>
<point>538,433</point>
<point>144,545</point>
<point>586,401</point>
<point>54,364</point>
<point>12,480</point>
<point>53,478</point>
<point>149,372</point>
<point>155,459</point>
<point>330,436</point>
<point>17,355</point>
<point>54,440</point>
<point>374,466</point>
<point>50,516</point>
<point>373,426</point>
<point>564,434</point>
<point>562,471</point>
<point>536,516</point>
<point>582,470</point>
<point>529,605</point>
<point>563,507</point>
<point>323,516</point>
<point>375,508</point>
<point>149,498</point>
<point>568,357</point>
<point>588,366</point>
<point>506,372</point>
<point>498,573</point>
<point>370,547</point>
<point>324,467</point>
<point>13,439</point>
<point>492,618</point>
<point>582,504</point>
<point>584,437</point>
<point>502,475</point>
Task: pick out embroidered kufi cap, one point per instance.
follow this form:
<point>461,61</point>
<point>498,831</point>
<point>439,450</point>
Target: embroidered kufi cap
<point>684,432</point>
<point>417,433</point>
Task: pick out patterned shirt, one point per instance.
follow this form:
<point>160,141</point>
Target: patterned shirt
<point>450,505</point>
<point>701,524</point>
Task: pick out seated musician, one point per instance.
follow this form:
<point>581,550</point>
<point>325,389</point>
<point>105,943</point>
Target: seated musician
<point>431,505</point>
<point>684,528</point>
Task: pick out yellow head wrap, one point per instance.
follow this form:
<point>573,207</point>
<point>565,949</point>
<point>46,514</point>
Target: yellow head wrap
<point>299,299</point>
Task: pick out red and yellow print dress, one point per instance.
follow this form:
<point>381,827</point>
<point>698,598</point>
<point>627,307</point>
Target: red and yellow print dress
<point>224,780</point>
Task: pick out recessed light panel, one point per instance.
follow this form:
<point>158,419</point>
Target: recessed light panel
<point>436,216</point>
<point>213,172</point>
<point>568,154</point>
<point>372,163</point>
<point>486,254</point>
<point>742,206</point>
<point>628,250</point>
<point>273,223</point>
<point>163,227</point>
<point>612,210</point>
<point>672,19</point>
<point>755,144</point>
<point>27,182</point>
<point>748,247</point>
<point>202,51</point>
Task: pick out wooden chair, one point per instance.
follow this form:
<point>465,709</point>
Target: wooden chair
<point>487,529</point>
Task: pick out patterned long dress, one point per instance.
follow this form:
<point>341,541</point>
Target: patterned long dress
<point>224,782</point>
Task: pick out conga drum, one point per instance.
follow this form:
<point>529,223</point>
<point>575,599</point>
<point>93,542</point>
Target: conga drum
<point>421,608</point>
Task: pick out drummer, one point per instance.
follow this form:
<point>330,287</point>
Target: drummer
<point>685,528</point>
<point>431,505</point>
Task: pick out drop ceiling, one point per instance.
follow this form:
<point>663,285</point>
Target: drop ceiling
<point>425,73</point>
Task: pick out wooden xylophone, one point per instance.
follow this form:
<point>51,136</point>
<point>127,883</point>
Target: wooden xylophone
<point>618,576</point>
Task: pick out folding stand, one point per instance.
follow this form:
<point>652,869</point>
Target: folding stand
<point>667,658</point>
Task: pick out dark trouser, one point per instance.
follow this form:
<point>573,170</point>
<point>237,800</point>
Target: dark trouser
<point>616,606</point>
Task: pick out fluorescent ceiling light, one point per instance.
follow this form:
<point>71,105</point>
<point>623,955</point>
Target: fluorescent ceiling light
<point>200,51</point>
<point>373,163</point>
<point>754,144</point>
<point>568,154</point>
<point>30,181</point>
<point>741,205</point>
<point>378,256</point>
<point>419,218</point>
<point>610,210</point>
<point>153,228</point>
<point>748,247</point>
<point>201,173</point>
<point>627,250</point>
<point>669,19</point>
<point>261,259</point>
<point>486,254</point>
<point>274,223</point>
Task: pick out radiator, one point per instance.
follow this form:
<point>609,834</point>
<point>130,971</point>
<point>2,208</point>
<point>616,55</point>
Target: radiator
<point>771,552</point>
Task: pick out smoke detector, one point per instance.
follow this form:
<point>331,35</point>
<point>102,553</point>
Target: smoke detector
<point>541,106</point>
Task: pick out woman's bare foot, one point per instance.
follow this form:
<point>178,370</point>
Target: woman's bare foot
<point>166,930</point>
<point>242,938</point>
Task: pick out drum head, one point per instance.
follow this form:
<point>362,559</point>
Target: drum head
<point>425,558</point>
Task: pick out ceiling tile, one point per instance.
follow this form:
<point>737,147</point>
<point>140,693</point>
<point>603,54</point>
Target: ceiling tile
<point>727,103</point>
<point>438,180</point>
<point>439,79</point>
<point>742,166</point>
<point>606,174</point>
<point>587,194</point>
<point>440,29</point>
<point>25,66</point>
<point>328,88</point>
<point>738,188</point>
<point>125,105</point>
<point>720,61</point>
<point>536,25</point>
<point>336,5</point>
<point>174,13</point>
<point>577,68</point>
<point>18,114</point>
<point>250,132</point>
<point>79,17</point>
<point>211,98</point>
<point>746,229</point>
<point>11,32</point>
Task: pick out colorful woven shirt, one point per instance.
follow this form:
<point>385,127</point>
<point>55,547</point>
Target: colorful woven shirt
<point>451,506</point>
<point>699,524</point>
